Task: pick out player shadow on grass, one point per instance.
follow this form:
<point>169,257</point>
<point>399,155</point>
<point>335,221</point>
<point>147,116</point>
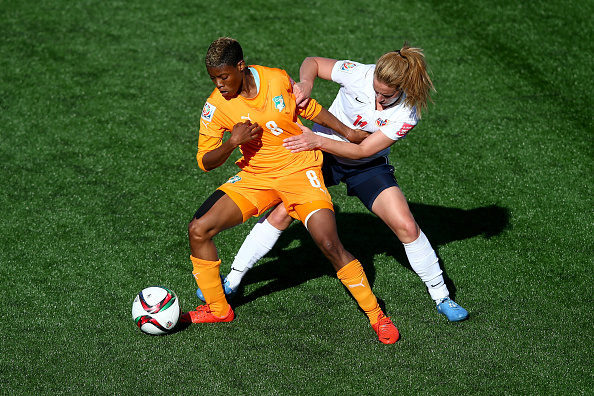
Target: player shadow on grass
<point>365,236</point>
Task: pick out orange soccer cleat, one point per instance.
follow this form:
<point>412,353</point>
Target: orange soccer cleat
<point>202,314</point>
<point>385,329</point>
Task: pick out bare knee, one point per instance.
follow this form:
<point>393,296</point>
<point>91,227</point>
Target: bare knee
<point>279,218</point>
<point>331,247</point>
<point>407,231</point>
<point>198,232</point>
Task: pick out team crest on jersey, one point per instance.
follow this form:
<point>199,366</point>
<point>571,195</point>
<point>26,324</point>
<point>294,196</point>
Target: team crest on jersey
<point>208,111</point>
<point>380,123</point>
<point>279,102</point>
<point>234,179</point>
<point>347,66</point>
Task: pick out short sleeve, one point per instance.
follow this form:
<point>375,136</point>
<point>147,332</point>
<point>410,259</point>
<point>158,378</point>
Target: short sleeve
<point>401,124</point>
<point>345,72</point>
<point>210,134</point>
<point>311,111</point>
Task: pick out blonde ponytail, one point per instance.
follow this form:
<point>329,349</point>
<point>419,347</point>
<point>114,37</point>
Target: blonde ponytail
<point>406,70</point>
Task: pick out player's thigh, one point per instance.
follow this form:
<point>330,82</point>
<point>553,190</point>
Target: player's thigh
<point>322,225</point>
<point>219,212</point>
<point>253,194</point>
<point>391,206</point>
<point>367,181</point>
<point>323,230</point>
<point>303,193</point>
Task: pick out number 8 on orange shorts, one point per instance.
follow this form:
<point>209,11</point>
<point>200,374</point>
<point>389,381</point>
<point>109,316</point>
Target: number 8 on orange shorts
<point>301,192</point>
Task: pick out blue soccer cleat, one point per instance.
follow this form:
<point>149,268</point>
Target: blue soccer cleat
<point>451,310</point>
<point>229,293</point>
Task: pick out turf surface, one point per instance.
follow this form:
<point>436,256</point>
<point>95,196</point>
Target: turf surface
<point>99,111</point>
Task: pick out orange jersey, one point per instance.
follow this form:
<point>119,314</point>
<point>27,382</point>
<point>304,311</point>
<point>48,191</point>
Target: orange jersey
<point>275,110</point>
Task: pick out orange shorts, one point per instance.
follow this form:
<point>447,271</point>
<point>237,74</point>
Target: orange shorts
<point>302,192</point>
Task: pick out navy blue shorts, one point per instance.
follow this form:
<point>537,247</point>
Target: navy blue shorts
<point>364,181</point>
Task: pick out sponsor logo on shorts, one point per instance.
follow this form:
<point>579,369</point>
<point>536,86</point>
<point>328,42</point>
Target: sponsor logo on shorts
<point>347,66</point>
<point>380,123</point>
<point>208,111</point>
<point>279,103</point>
<point>234,179</point>
<point>404,130</point>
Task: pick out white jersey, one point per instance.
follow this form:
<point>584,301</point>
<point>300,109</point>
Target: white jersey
<point>355,106</point>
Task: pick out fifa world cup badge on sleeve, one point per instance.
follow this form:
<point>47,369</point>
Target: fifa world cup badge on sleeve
<point>347,66</point>
<point>208,111</point>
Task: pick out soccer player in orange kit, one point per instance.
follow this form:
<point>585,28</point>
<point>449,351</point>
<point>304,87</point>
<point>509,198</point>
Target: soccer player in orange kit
<point>257,106</point>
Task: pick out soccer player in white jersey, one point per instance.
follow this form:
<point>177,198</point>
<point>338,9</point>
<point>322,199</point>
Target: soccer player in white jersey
<point>384,100</point>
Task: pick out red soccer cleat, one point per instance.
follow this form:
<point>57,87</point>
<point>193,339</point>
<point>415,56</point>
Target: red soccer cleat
<point>385,329</point>
<point>202,314</point>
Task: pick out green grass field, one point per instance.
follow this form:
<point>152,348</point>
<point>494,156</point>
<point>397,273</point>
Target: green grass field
<point>99,113</point>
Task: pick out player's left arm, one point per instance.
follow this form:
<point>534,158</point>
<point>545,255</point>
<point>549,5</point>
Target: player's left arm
<point>310,141</point>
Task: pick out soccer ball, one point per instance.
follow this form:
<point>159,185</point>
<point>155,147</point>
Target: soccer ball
<point>156,310</point>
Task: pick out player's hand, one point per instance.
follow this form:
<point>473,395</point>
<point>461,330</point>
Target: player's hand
<point>244,132</point>
<point>357,135</point>
<point>302,91</point>
<point>304,142</point>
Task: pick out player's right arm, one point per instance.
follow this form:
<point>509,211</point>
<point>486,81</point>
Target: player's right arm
<point>213,152</point>
<point>311,68</point>
<point>329,120</point>
<point>308,140</point>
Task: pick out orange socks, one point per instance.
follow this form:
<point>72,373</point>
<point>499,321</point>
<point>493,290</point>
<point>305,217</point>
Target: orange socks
<point>354,279</point>
<point>208,278</point>
<point>352,276</point>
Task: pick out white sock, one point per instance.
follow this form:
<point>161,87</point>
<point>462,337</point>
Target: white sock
<point>255,246</point>
<point>425,263</point>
